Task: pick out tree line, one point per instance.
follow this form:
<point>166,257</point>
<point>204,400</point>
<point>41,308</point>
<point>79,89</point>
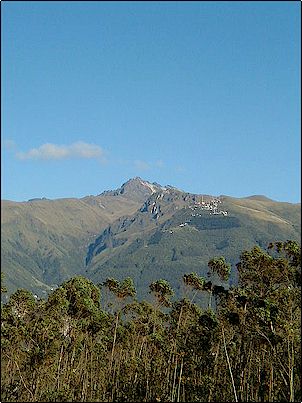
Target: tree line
<point>97,343</point>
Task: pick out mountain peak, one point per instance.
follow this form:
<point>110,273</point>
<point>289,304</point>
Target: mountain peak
<point>139,183</point>
<point>139,188</point>
<point>136,189</point>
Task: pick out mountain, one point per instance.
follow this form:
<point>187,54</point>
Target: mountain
<point>44,241</point>
<point>176,232</point>
<point>142,230</point>
<point>136,189</point>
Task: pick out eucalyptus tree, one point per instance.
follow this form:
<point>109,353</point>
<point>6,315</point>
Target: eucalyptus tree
<point>249,349</point>
<point>72,318</point>
<point>219,266</point>
<point>193,282</point>
<point>121,291</point>
<point>162,291</point>
<point>183,319</point>
<point>262,317</point>
<point>17,345</point>
<point>3,287</point>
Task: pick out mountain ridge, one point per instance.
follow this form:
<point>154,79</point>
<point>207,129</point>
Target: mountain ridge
<point>126,231</point>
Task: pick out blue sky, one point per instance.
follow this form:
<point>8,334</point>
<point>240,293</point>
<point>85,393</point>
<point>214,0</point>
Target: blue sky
<point>204,96</point>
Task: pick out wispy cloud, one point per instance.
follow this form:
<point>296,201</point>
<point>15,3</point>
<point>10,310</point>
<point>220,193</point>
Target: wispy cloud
<point>51,151</point>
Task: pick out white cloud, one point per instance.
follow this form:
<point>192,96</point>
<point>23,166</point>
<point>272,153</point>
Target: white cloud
<point>51,151</point>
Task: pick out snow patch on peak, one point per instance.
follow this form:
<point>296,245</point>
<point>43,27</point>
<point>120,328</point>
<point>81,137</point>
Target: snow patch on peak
<point>149,186</point>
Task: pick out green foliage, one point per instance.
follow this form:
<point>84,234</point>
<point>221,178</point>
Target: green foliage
<point>162,291</point>
<point>246,349</point>
<point>219,266</point>
<point>83,296</point>
<point>194,281</point>
<point>57,301</point>
<point>122,290</point>
<point>3,288</point>
<point>21,303</point>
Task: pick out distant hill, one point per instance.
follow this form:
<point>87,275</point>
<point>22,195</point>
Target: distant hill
<point>142,230</point>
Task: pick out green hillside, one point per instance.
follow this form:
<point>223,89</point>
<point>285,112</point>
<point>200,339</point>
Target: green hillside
<point>142,230</point>
<point>44,241</point>
<point>183,239</point>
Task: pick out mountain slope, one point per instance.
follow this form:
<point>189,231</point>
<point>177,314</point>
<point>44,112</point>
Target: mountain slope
<point>142,229</point>
<point>174,233</point>
<point>44,241</point>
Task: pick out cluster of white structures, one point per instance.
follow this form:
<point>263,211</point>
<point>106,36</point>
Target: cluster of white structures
<point>210,205</point>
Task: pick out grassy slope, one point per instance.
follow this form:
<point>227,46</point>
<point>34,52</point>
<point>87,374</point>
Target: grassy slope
<point>155,252</point>
<point>44,242</point>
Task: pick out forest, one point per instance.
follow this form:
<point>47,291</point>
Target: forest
<point>97,343</point>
